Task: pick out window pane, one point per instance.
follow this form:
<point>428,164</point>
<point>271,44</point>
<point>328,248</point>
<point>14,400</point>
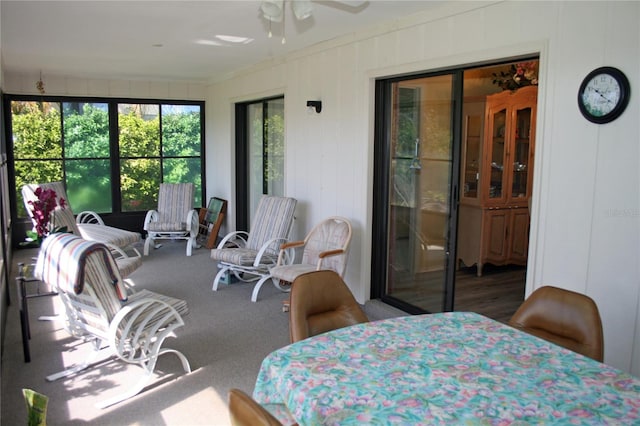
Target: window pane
<point>139,130</point>
<point>181,170</point>
<point>89,185</point>
<point>36,130</point>
<point>37,145</point>
<point>34,171</point>
<point>181,130</point>
<point>86,130</point>
<point>139,184</point>
<point>274,149</point>
<point>255,159</point>
<point>265,151</point>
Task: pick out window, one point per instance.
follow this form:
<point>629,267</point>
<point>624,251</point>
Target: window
<point>112,155</point>
<point>259,154</point>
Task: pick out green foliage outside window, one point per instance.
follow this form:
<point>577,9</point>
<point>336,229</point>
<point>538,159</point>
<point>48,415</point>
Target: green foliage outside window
<point>39,133</point>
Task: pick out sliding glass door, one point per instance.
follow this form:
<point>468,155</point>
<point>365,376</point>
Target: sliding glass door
<point>259,154</point>
<point>414,153</point>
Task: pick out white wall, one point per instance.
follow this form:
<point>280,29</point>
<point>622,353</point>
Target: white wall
<point>60,85</point>
<point>586,205</point>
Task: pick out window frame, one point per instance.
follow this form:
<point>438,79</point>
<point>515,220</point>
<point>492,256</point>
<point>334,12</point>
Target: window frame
<point>242,155</point>
<point>132,220</point>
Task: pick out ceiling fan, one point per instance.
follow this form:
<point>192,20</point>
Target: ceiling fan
<point>273,10</point>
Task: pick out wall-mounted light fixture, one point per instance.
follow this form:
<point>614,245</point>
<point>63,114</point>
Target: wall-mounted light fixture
<point>317,105</point>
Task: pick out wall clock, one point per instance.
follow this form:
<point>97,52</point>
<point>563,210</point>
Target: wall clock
<point>603,95</point>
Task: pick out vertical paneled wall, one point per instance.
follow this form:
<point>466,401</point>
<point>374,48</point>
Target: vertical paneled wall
<point>585,228</point>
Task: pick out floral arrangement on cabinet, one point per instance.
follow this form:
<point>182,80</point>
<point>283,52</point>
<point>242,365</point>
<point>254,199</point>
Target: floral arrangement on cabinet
<point>41,210</point>
<point>519,75</point>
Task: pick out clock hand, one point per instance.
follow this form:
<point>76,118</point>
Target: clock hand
<point>602,95</point>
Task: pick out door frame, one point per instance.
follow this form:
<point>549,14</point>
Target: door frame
<point>382,152</point>
<point>381,164</point>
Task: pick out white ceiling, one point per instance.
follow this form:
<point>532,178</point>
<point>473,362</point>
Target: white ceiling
<point>170,40</point>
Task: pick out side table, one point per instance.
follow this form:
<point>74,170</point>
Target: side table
<point>25,276</point>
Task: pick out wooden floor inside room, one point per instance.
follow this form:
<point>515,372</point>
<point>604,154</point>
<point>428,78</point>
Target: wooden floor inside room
<point>496,294</point>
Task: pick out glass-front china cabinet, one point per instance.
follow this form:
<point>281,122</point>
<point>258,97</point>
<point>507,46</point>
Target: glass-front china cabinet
<point>497,177</point>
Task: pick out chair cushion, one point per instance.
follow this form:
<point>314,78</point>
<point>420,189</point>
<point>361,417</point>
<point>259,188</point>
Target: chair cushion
<point>167,227</point>
<point>108,234</point>
<point>241,256</point>
<point>290,272</point>
<point>177,304</point>
<point>174,202</point>
<point>126,265</point>
<point>273,219</point>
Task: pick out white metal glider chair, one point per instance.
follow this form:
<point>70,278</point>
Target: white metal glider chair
<point>250,255</point>
<point>89,226</point>
<point>325,247</point>
<point>97,308</point>
<point>175,218</point>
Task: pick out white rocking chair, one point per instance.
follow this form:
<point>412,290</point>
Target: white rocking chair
<point>97,308</point>
<point>250,255</point>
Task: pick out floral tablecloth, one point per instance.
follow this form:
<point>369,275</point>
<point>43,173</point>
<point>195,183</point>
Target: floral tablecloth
<point>450,368</point>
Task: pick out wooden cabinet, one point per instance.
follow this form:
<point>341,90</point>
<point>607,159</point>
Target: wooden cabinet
<point>494,209</point>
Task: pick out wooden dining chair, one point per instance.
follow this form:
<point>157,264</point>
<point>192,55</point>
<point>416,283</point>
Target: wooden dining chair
<point>563,317</point>
<point>245,411</point>
<point>321,301</point>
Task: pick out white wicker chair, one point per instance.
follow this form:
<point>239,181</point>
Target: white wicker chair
<point>325,247</point>
<point>175,218</point>
<point>131,327</point>
<point>250,255</point>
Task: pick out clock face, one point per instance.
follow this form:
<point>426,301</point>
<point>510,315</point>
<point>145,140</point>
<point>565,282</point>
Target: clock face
<point>603,95</point>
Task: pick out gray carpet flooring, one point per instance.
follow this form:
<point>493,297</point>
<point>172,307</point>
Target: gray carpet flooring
<point>225,338</point>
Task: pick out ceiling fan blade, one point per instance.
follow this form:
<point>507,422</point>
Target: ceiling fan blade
<point>351,6</point>
<point>302,9</point>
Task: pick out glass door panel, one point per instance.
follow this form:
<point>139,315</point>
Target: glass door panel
<point>498,122</point>
<point>265,150</point>
<point>473,141</point>
<point>521,155</point>
<point>419,188</point>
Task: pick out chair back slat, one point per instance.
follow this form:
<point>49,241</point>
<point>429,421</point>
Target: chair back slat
<point>175,200</point>
<point>273,219</point>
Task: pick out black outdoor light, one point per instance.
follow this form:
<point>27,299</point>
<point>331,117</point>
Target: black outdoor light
<point>317,105</point>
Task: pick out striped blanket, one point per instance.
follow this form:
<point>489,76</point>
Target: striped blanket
<point>62,260</point>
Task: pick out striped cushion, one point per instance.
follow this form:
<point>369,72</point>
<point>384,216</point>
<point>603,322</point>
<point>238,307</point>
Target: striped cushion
<point>177,304</point>
<point>242,256</point>
<point>126,265</point>
<point>66,261</point>
<point>273,219</point>
<point>175,200</point>
<point>167,226</point>
<point>108,234</point>
<point>291,272</point>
